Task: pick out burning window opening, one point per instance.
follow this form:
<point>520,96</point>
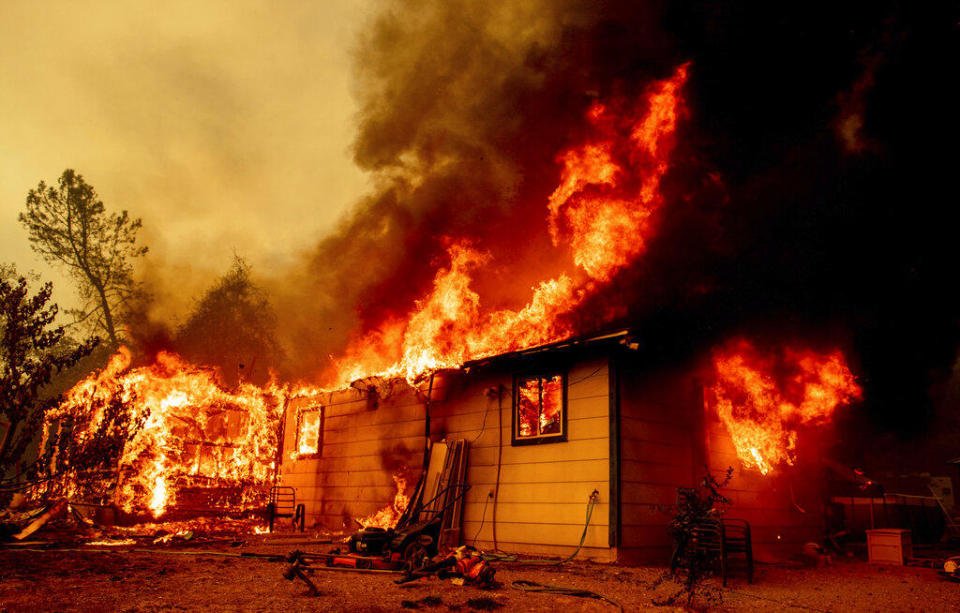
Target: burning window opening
<point>763,398</point>
<point>540,413</point>
<point>309,432</point>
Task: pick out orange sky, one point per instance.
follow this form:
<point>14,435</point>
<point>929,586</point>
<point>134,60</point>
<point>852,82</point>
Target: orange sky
<point>225,125</point>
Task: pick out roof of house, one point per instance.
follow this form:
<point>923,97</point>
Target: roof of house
<point>621,336</point>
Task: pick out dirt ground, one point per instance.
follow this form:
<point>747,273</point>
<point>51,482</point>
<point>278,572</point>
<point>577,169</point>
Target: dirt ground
<point>181,580</point>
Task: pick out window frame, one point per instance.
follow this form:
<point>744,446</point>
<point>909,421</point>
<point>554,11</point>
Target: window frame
<point>540,439</point>
<point>296,441</point>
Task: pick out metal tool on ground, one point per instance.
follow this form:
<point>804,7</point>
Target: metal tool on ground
<point>295,571</point>
<point>405,548</point>
<point>464,562</point>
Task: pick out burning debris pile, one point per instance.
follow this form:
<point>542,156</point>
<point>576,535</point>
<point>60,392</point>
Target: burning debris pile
<point>145,438</point>
<point>763,398</point>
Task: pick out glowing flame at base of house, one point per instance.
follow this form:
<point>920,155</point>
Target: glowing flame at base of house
<point>388,516</point>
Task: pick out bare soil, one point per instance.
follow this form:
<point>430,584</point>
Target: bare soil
<point>183,580</point>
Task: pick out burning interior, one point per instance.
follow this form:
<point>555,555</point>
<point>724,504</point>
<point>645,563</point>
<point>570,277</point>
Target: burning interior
<point>163,441</point>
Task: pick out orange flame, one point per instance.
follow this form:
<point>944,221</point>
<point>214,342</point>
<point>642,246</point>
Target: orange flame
<point>194,433</point>
<point>602,210</point>
<point>761,413</point>
<point>388,516</point>
<point>309,433</point>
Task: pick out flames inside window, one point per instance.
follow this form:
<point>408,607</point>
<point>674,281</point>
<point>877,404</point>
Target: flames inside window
<point>308,432</point>
<point>539,409</point>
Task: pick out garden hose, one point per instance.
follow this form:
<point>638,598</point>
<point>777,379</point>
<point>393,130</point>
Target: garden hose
<point>495,557</point>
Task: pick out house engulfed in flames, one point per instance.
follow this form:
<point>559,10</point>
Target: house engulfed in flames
<point>549,425</point>
<point>550,415</point>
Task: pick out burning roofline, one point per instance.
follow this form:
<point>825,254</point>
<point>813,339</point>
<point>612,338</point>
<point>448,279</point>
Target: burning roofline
<point>621,336</point>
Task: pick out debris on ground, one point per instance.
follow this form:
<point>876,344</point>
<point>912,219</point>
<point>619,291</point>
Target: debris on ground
<point>464,566</point>
<point>221,577</point>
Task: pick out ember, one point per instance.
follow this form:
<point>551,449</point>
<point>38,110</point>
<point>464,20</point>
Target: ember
<point>601,211</point>
<point>762,399</point>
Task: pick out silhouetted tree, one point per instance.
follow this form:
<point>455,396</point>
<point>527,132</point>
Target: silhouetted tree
<point>69,226</point>
<point>31,353</point>
<point>232,327</point>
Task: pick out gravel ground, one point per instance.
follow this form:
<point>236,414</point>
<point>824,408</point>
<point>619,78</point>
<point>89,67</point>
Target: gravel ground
<point>123,581</point>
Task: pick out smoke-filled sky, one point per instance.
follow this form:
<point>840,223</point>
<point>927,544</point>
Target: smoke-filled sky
<point>339,146</point>
<point>225,125</point>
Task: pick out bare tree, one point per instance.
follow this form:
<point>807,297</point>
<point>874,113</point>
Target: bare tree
<point>68,225</point>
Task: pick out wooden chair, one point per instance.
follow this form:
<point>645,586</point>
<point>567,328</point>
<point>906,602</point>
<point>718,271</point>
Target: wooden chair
<point>724,540</point>
<point>735,539</point>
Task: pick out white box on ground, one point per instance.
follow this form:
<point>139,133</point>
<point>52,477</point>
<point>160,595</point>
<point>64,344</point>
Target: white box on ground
<point>889,546</point>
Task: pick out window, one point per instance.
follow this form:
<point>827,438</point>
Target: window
<point>309,432</point>
<point>540,409</point>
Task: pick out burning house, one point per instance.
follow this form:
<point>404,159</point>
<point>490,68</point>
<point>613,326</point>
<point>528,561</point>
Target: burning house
<point>165,440</point>
<point>560,425</point>
<point>548,426</point>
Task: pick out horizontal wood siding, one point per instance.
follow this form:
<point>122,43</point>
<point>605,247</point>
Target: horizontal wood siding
<point>543,489</point>
<point>785,508</point>
<point>658,432</point>
<point>668,438</point>
<point>364,444</point>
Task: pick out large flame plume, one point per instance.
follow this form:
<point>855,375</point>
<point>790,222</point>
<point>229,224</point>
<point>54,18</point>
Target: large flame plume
<point>762,398</point>
<point>178,429</point>
<point>601,213</point>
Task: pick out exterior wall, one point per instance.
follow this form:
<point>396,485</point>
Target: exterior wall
<point>664,440</point>
<point>785,508</point>
<point>667,438</point>
<point>543,489</point>
<point>362,447</point>
<point>660,450</point>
